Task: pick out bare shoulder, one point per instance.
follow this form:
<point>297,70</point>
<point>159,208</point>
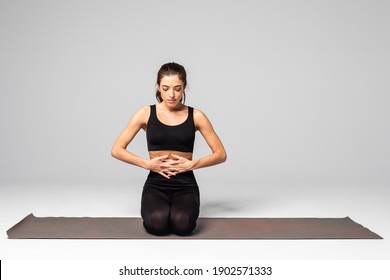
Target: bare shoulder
<point>144,111</point>
<point>199,115</point>
<point>200,119</point>
<point>141,116</point>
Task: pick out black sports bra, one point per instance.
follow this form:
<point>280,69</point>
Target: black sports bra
<point>179,137</point>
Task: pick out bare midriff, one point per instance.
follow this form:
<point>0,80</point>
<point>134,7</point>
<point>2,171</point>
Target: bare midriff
<point>153,154</point>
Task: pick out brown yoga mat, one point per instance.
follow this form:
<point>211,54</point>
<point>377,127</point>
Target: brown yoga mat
<point>33,227</point>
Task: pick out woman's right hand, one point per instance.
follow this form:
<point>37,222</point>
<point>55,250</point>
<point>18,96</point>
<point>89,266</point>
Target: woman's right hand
<point>161,166</point>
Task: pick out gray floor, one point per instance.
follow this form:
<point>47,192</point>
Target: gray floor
<point>368,206</point>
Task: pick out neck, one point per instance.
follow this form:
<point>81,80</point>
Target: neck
<point>164,107</point>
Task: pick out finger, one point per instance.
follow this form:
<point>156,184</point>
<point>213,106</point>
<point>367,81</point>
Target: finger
<point>162,157</point>
<point>164,175</point>
<point>172,173</point>
<point>176,156</point>
<point>180,170</point>
<point>165,166</point>
<point>170,163</point>
<point>173,162</point>
<point>175,170</point>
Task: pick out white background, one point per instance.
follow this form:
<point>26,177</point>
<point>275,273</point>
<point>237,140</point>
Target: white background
<point>297,90</point>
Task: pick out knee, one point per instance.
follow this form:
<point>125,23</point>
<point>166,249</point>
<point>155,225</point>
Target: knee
<point>182,224</point>
<point>156,223</point>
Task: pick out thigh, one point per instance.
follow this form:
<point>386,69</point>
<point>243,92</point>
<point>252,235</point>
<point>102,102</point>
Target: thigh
<point>186,202</point>
<point>154,201</point>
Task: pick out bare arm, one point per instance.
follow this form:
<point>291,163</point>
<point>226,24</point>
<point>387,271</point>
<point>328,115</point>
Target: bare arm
<point>119,151</point>
<point>218,153</point>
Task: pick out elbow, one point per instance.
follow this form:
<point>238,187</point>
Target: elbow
<point>114,152</point>
<point>223,156</point>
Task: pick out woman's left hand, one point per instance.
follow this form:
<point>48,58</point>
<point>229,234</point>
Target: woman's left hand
<point>181,164</point>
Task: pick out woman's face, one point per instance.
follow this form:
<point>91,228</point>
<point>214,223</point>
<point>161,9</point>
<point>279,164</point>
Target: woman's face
<point>171,88</point>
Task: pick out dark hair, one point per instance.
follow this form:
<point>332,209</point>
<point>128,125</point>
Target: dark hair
<point>168,69</point>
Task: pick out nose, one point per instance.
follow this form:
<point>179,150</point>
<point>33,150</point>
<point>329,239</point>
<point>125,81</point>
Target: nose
<point>171,93</point>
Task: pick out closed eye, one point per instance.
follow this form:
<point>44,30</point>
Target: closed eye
<point>177,88</point>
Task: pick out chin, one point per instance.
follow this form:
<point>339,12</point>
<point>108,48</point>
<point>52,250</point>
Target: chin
<point>173,104</point>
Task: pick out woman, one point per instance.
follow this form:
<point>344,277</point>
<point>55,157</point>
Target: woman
<point>170,197</point>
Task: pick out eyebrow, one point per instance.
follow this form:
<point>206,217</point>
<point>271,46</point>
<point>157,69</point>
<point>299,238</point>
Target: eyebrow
<point>173,86</point>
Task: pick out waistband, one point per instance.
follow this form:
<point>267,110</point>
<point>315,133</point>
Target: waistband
<point>186,180</point>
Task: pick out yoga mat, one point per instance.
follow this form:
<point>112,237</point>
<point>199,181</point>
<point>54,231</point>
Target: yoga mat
<point>33,227</point>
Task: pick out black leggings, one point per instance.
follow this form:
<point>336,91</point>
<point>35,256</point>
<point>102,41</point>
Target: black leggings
<point>170,205</point>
